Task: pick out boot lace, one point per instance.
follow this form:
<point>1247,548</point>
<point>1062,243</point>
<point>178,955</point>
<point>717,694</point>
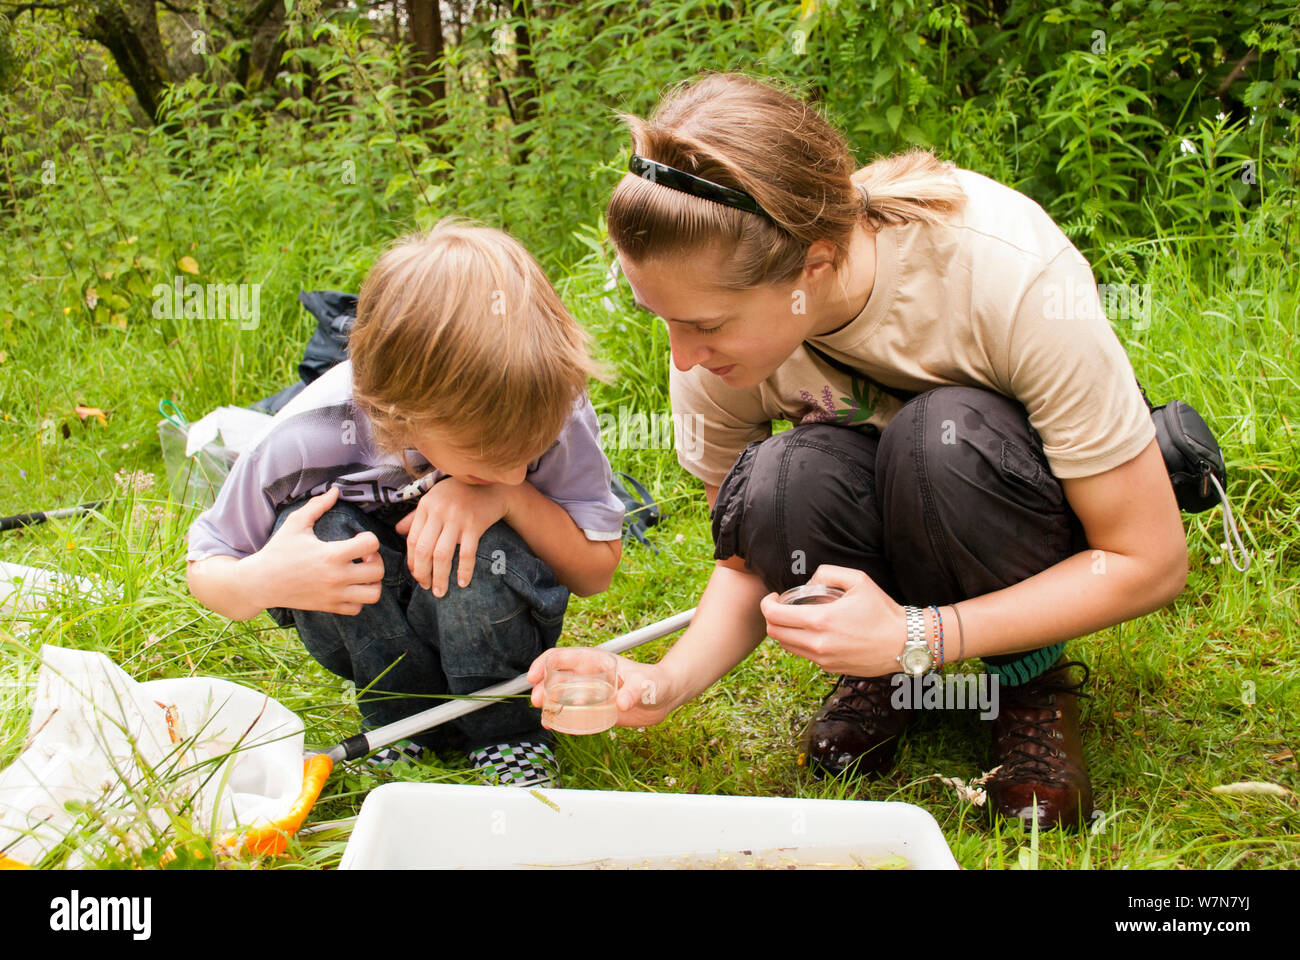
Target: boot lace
<point>870,704</point>
<point>1023,764</point>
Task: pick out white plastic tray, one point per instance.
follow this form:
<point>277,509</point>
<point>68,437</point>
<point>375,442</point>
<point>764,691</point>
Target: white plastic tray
<point>422,825</point>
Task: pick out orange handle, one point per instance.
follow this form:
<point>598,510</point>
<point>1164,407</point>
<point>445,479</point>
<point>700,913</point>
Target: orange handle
<point>272,838</point>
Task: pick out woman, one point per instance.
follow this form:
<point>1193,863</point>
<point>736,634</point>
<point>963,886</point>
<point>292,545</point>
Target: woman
<point>971,458</point>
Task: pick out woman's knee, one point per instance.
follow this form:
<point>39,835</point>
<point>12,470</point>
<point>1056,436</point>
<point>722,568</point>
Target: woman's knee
<point>962,444</point>
<point>799,499</point>
<point>969,502</point>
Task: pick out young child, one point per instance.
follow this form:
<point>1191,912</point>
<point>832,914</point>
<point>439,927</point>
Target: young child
<point>457,439</point>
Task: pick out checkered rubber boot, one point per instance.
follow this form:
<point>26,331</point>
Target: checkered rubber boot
<point>403,751</point>
<point>523,764</point>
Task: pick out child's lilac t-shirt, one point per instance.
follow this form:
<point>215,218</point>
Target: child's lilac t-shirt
<point>321,439</point>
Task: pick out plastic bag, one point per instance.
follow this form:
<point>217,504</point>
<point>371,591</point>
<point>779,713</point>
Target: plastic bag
<point>199,455</point>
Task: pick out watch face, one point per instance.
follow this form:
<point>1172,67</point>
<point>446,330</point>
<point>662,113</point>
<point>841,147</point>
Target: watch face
<point>916,661</point>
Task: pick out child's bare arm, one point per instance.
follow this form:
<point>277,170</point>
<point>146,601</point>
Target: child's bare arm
<point>226,586</point>
<point>294,570</point>
<point>585,566</point>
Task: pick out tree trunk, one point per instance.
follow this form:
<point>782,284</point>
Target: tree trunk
<point>263,27</point>
<point>528,89</point>
<point>428,85</point>
<point>130,32</point>
<point>458,10</point>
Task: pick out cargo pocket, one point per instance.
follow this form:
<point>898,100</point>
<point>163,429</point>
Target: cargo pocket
<point>1022,469</point>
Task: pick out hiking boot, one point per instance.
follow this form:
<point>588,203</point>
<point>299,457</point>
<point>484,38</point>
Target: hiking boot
<point>1036,741</point>
<point>856,731</point>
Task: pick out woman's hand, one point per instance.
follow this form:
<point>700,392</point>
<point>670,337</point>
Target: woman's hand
<point>300,571</point>
<point>860,634</point>
<point>644,691</point>
<point>452,512</point>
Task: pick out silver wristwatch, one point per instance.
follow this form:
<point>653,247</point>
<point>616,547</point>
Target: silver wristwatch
<point>915,658</point>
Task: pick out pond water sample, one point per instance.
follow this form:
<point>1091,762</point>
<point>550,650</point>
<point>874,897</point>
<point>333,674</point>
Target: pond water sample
<point>581,684</point>
<point>811,593</point>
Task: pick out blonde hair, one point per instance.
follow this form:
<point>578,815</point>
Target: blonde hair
<point>748,134</point>
<point>459,331</point>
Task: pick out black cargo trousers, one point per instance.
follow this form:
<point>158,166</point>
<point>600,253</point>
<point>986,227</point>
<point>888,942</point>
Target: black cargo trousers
<point>954,499</point>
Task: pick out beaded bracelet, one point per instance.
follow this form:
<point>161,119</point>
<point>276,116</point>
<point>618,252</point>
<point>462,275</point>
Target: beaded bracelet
<point>938,619</point>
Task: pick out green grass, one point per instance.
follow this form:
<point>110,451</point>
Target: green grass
<point>1166,721</point>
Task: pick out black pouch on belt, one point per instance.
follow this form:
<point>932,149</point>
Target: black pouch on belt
<point>1195,465</point>
<point>1192,455</point>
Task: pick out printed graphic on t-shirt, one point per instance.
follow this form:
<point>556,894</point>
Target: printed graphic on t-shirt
<point>377,491</point>
<point>852,411</point>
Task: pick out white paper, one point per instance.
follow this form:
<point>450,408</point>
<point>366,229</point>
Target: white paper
<point>219,755</point>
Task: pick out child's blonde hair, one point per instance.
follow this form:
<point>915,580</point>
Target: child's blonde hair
<point>748,134</point>
<point>459,331</point>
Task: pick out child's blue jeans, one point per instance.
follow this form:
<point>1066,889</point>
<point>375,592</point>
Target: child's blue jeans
<point>411,648</point>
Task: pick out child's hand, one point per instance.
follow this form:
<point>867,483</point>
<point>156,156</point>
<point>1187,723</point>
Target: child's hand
<point>452,512</point>
<point>304,572</point>
<point>644,695</point>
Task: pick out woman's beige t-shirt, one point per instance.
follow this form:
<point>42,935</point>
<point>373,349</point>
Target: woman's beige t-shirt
<point>996,297</point>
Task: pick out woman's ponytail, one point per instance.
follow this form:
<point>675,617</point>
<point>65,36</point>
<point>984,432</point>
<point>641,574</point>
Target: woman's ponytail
<point>907,187</point>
